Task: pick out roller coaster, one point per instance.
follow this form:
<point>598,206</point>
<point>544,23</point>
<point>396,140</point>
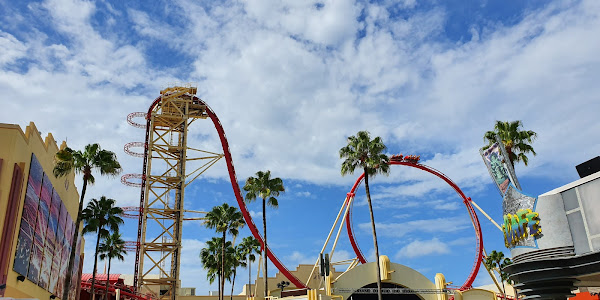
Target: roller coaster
<point>164,178</point>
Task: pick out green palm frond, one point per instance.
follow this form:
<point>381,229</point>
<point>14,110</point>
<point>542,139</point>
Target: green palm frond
<point>267,188</point>
<point>362,152</point>
<point>92,158</point>
<point>113,247</point>
<point>210,257</point>
<point>517,142</point>
<point>224,218</point>
<point>102,215</point>
<point>264,187</point>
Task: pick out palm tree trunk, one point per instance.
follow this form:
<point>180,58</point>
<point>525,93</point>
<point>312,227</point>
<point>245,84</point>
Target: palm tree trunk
<point>222,283</point>
<point>510,156</point>
<point>266,259</point>
<point>219,282</point>
<point>67,285</point>
<point>107,278</point>
<point>232,284</point>
<point>93,296</point>
<point>249,276</point>
<point>379,296</point>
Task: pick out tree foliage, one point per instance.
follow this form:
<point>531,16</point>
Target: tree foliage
<point>211,259</point>
<point>516,142</point>
<point>101,217</point>
<point>249,247</point>
<point>113,247</point>
<point>496,261</point>
<point>267,188</point>
<point>367,154</point>
<point>224,219</point>
<point>83,162</point>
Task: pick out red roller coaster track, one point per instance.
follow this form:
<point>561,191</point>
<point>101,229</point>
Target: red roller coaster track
<point>467,201</point>
<point>248,218</point>
<point>234,185</point>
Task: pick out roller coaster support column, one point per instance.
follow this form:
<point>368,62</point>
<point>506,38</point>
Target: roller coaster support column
<point>164,182</point>
<point>344,204</point>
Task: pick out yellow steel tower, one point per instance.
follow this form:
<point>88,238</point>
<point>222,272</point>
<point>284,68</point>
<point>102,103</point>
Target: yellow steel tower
<point>164,184</point>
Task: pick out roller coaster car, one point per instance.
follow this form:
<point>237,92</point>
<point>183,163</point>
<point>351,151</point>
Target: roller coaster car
<point>412,158</point>
<point>396,157</point>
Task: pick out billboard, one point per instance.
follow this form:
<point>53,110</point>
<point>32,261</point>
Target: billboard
<point>43,244</point>
<point>521,224</point>
<point>499,167</point>
<point>520,221</point>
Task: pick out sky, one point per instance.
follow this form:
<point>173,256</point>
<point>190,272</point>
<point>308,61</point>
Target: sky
<point>291,80</point>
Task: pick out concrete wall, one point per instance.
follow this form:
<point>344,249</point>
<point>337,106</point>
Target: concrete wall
<point>553,220</point>
<point>302,272</point>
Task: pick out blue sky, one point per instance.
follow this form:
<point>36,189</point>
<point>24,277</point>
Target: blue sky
<point>290,80</point>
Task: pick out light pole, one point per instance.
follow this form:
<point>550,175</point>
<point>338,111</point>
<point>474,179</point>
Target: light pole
<point>282,285</point>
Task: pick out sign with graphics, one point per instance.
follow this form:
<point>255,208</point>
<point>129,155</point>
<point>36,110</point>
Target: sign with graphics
<point>43,244</point>
<point>493,160</point>
<point>521,224</point>
<point>499,166</point>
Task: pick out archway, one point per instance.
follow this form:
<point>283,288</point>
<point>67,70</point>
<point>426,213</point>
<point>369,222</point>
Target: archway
<point>390,292</point>
<point>400,276</point>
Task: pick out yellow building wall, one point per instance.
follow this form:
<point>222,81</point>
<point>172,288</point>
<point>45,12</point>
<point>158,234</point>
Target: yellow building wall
<point>399,274</point>
<point>475,294</point>
<point>302,272</point>
<point>17,146</point>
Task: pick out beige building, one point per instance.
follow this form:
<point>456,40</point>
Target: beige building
<point>37,213</point>
<point>359,283</point>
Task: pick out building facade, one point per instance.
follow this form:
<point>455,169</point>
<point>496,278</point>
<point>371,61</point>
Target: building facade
<point>37,217</point>
<point>566,255</point>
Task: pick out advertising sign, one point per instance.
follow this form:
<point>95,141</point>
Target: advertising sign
<point>42,247</point>
<point>493,159</point>
<point>521,223</point>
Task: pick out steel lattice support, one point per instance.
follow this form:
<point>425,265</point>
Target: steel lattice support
<point>164,183</point>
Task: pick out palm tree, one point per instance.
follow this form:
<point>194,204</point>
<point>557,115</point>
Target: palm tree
<point>497,261</point>
<point>516,142</point>
<point>210,257</point>
<point>367,154</point>
<point>250,246</point>
<point>237,259</point>
<point>267,188</point>
<point>92,158</point>
<point>112,247</point>
<point>224,219</point>
<point>102,217</point>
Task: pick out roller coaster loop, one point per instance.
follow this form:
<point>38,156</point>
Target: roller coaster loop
<point>467,201</point>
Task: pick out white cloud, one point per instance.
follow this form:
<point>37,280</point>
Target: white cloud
<point>297,258</point>
<point>328,22</point>
<point>444,204</point>
<point>451,224</point>
<point>423,248</point>
<point>402,216</point>
<point>462,241</point>
<point>11,49</point>
<point>483,278</point>
<point>303,194</point>
<point>256,215</point>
